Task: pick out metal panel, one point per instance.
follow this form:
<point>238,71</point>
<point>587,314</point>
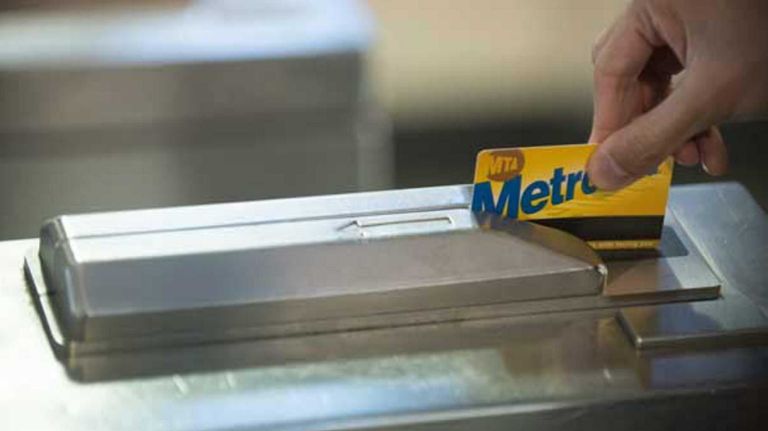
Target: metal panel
<point>735,318</point>
<point>553,371</point>
<point>267,211</point>
<point>210,279</point>
<point>62,70</point>
<point>725,220</point>
<point>721,322</point>
<point>129,248</point>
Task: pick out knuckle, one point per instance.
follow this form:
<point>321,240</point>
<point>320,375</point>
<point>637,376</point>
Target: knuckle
<point>640,152</point>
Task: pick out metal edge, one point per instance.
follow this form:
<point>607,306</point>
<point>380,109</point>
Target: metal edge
<point>749,329</point>
<point>306,208</point>
<point>556,240</point>
<point>595,303</point>
<point>628,329</point>
<point>486,311</point>
<point>730,297</point>
<point>38,290</point>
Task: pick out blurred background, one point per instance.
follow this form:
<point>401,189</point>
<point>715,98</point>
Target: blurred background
<point>115,105</point>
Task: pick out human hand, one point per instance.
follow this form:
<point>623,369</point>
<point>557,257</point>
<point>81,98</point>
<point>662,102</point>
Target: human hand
<point>719,48</point>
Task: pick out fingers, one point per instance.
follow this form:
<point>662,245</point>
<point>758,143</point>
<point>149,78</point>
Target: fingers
<point>638,148</point>
<point>713,153</point>
<point>707,148</point>
<point>635,124</point>
<point>620,56</point>
<point>688,154</point>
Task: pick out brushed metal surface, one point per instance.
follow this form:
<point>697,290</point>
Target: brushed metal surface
<point>556,371</point>
<point>722,322</point>
<point>210,279</point>
<point>739,316</point>
<point>675,273</point>
<point>675,268</point>
<point>726,219</point>
<point>259,212</point>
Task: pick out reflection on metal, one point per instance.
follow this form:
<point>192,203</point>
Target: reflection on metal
<point>677,273</point>
<point>557,364</point>
<point>317,265</point>
<point>153,287</point>
<point>731,321</point>
<point>138,244</point>
<point>738,317</point>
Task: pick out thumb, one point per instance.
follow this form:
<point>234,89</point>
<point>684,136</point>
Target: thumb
<point>638,148</point>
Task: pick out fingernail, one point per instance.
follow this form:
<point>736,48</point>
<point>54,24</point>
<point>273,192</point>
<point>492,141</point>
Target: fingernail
<point>606,174</point>
<point>704,166</point>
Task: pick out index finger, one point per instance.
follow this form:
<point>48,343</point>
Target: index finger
<point>620,60</point>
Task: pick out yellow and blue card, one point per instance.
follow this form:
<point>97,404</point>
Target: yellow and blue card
<point>549,185</point>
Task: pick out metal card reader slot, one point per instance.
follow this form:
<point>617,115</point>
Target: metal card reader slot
<point>216,283</point>
<point>214,286</point>
<point>404,224</point>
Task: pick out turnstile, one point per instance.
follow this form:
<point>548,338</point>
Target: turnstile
<point>385,310</point>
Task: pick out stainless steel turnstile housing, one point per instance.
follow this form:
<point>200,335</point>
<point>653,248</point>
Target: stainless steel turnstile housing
<point>385,310</point>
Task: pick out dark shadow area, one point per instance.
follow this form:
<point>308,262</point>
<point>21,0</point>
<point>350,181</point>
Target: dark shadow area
<point>670,246</point>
